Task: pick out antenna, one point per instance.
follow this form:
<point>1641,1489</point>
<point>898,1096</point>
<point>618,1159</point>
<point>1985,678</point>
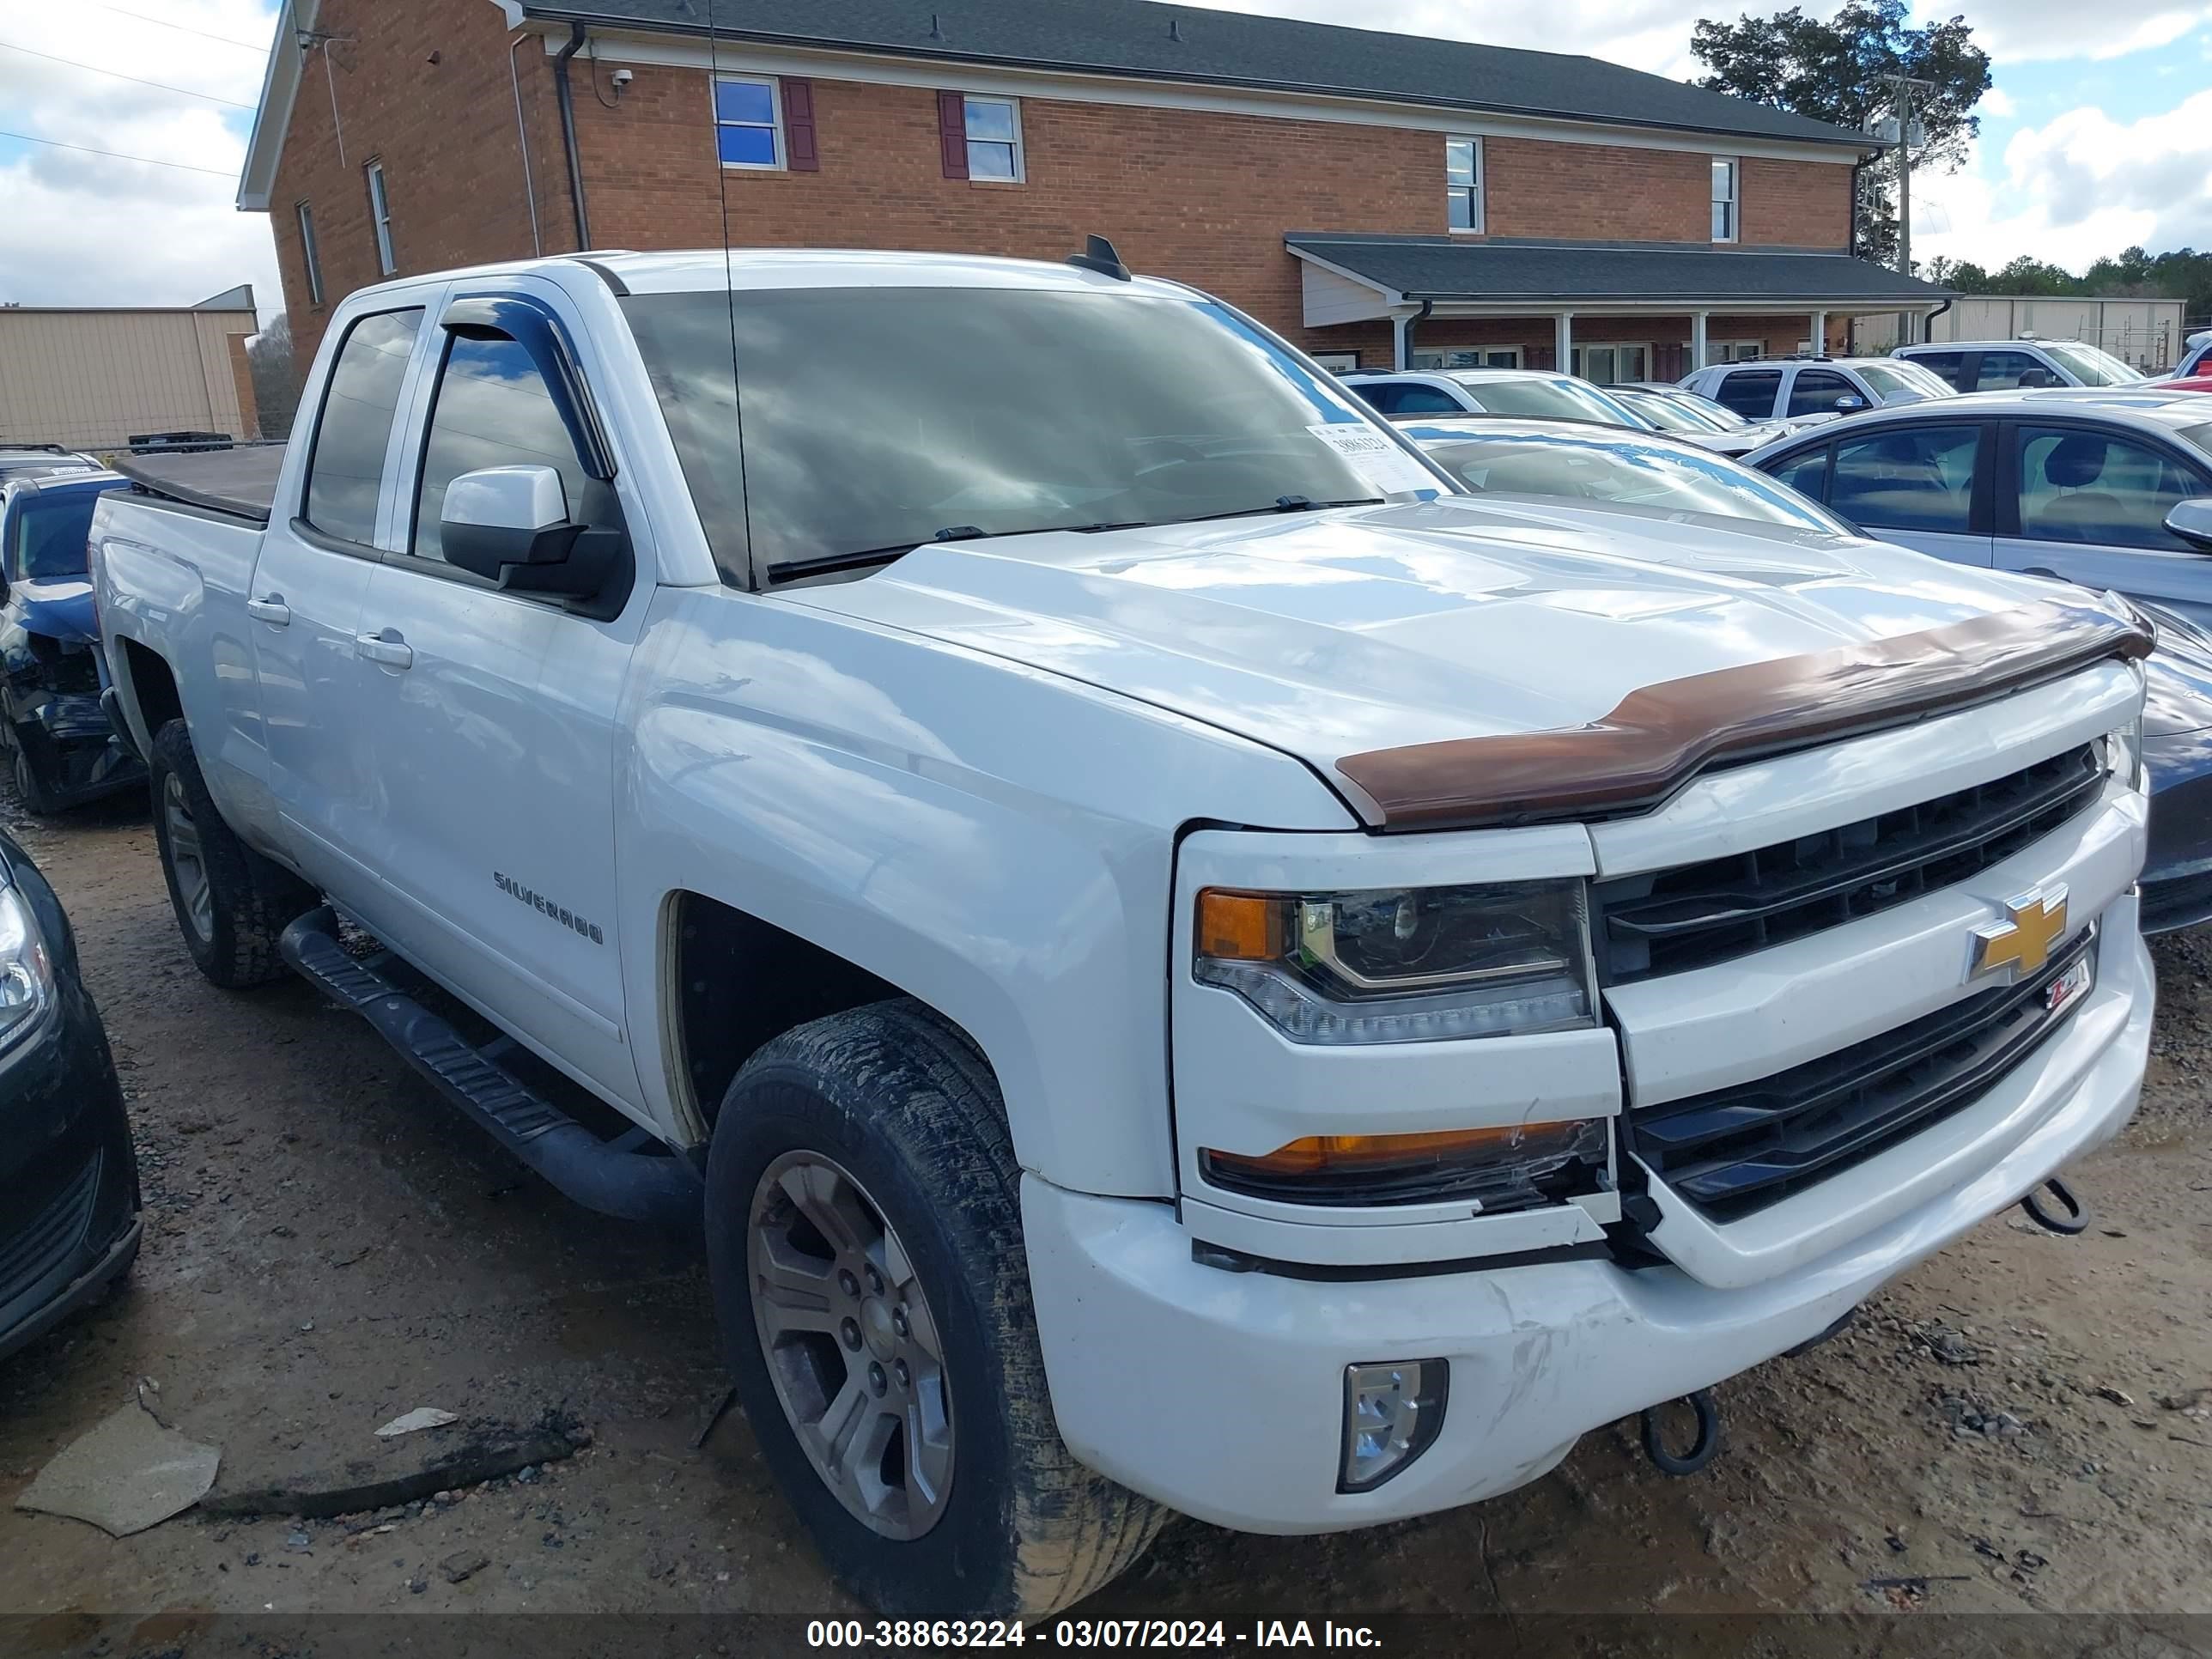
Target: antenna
<point>1098,255</point>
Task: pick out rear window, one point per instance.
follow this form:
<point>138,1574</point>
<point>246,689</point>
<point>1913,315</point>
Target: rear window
<point>1537,398</point>
<point>345,470</point>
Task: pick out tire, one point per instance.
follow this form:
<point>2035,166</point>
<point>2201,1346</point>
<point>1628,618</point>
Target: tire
<point>27,749</point>
<point>898,1102</point>
<point>230,902</point>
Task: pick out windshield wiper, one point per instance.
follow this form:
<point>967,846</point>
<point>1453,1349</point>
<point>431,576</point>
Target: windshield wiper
<point>864,558</point>
<point>1285,504</point>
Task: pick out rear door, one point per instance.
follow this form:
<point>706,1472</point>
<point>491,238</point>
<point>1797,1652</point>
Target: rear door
<point>494,714</point>
<point>1754,393</point>
<point>303,608</point>
<point>2087,504</point>
<point>1924,485</point>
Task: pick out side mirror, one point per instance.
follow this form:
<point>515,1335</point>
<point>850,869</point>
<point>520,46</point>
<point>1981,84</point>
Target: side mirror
<point>1848,402</point>
<point>510,525</point>
<point>2192,521</point>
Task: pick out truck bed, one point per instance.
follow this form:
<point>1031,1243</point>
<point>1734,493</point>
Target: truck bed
<point>240,482</point>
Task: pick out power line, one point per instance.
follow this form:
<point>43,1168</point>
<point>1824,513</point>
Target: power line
<point>161,23</point>
<point>94,69</point>
<point>118,155</point>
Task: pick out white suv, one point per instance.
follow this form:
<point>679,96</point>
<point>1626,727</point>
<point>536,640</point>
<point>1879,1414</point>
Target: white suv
<point>1808,388</point>
<point>2017,365</point>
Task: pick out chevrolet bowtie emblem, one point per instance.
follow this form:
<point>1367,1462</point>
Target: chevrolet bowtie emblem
<point>2035,922</point>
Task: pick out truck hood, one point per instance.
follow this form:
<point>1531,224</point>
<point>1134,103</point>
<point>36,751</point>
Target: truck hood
<point>1334,634</point>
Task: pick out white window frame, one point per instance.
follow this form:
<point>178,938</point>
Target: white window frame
<point>1336,363</point>
<point>1733,199</point>
<point>1726,351</point>
<point>1474,191</point>
<point>1582,347</point>
<point>1435,360</point>
<point>311,251</point>
<point>774,121</point>
<point>1013,106</point>
<point>379,218</point>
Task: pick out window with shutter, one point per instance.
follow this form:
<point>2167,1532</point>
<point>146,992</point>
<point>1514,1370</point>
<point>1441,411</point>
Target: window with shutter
<point>799,153</point>
<point>952,133</point>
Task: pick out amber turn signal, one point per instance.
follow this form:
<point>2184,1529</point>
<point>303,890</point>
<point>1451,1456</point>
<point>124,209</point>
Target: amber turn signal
<point>1239,926</point>
<point>1321,1155</point>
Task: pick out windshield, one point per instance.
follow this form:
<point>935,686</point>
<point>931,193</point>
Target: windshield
<point>1538,397</point>
<point>1902,374</point>
<point>1669,414</point>
<point>988,412</point>
<point>1626,473</point>
<point>2090,366</point>
<point>47,534</point>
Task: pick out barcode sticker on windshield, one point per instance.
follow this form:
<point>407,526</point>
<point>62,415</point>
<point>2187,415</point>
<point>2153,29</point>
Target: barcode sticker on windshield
<point>1389,470</point>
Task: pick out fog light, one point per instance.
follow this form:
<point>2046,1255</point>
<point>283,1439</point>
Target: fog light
<point>1393,1411</point>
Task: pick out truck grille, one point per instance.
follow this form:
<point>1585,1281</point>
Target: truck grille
<point>1674,920</point>
<point>1736,1150</point>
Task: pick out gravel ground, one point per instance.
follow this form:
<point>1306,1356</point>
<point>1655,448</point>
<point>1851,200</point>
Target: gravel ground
<point>2020,1426</point>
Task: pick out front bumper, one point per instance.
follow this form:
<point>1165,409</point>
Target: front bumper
<point>70,1221</point>
<point>1221,1394</point>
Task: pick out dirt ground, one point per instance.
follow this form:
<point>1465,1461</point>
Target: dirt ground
<point>328,1246</point>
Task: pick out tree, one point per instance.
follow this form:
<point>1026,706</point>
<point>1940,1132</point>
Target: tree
<point>1839,71</point>
<point>275,377</point>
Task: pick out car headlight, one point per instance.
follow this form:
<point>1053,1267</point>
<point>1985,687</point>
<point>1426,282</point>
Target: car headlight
<point>2123,756</point>
<point>26,975</point>
<point>1407,964</point>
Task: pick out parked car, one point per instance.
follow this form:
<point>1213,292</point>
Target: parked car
<point>2078,485</point>
<point>2017,365</point>
<point>1700,421</point>
<point>1530,394</point>
<point>2187,383</point>
<point>62,750</point>
<point>1809,388</point>
<point>1081,906</point>
<point>70,1225</point>
<point>2196,361</point>
<point>1551,471</point>
<point>42,461</point>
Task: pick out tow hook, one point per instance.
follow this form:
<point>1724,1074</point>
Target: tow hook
<point>1701,1449</point>
<point>2077,1218</point>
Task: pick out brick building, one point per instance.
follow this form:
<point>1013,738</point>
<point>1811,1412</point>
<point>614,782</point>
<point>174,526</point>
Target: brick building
<point>1378,198</point>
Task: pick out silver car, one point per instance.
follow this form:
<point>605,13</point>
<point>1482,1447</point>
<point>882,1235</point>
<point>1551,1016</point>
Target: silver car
<point>2077,484</point>
<point>1794,388</point>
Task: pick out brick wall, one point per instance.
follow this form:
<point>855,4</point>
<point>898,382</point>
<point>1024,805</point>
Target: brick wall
<point>1202,196</point>
<point>446,134</point>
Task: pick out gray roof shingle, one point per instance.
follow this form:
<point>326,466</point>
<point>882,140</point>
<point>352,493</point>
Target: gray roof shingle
<point>1133,38</point>
<point>1441,267</point>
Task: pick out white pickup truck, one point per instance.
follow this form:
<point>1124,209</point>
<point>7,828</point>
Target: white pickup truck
<point>1186,962</point>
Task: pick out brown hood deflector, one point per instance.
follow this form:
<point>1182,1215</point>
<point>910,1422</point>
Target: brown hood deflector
<point>1659,737</point>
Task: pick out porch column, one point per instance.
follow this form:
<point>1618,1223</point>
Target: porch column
<point>1398,356</point>
<point>1563,342</point>
<point>1820,334</point>
<point>1697,340</point>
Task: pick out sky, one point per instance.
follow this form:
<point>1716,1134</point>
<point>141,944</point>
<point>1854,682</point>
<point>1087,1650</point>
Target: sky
<point>2097,134</point>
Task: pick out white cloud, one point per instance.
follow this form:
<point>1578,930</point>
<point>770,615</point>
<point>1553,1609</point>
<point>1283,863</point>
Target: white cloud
<point>1996,102</point>
<point>86,229</point>
<point>2020,31</point>
<point>2083,186</point>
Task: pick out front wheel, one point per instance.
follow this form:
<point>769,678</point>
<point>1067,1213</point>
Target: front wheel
<point>864,1235</point>
<point>231,903</point>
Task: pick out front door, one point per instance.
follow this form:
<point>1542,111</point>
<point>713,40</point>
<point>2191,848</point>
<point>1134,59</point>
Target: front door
<point>498,748</point>
<point>1916,484</point>
<point>303,609</point>
<point>2088,505</point>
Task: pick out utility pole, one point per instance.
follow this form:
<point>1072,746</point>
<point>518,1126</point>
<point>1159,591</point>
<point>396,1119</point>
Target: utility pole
<point>1903,130</point>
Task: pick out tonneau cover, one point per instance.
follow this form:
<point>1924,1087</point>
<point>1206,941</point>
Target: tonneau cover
<point>241,480</point>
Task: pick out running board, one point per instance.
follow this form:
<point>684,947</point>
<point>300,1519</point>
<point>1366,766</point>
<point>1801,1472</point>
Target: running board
<point>606,1175</point>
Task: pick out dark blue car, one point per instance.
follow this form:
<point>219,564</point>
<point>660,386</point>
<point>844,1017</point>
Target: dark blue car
<point>61,749</point>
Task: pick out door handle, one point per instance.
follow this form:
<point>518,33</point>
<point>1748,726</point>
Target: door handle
<point>386,648</point>
<point>271,609</point>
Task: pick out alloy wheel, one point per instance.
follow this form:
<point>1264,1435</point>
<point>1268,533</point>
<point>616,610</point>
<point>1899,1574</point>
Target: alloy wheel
<point>187,859</point>
<point>851,1346</point>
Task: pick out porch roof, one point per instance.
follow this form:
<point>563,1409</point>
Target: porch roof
<point>1548,277</point>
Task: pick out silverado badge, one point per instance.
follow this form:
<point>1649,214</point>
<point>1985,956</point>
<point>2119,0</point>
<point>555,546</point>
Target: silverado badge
<point>2035,922</point>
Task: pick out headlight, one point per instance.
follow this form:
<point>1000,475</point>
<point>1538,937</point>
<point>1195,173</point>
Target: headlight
<point>1417,964</point>
<point>2124,755</point>
<point>27,977</point>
